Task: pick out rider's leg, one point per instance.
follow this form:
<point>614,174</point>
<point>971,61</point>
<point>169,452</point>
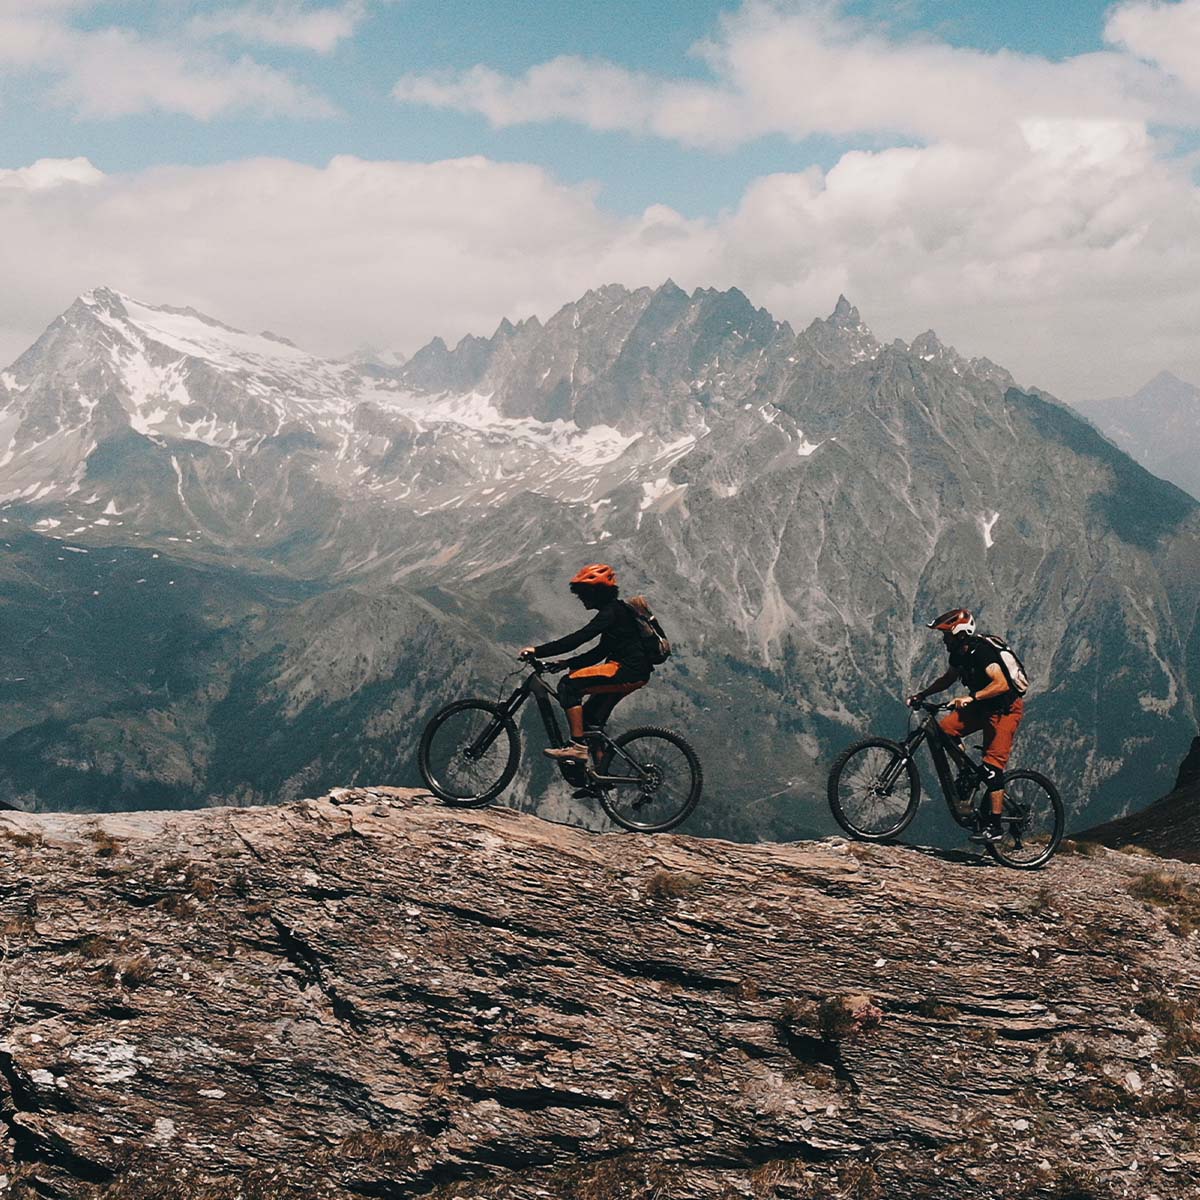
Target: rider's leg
<point>959,723</point>
<point>998,738</point>
<point>606,683</point>
<point>570,695</point>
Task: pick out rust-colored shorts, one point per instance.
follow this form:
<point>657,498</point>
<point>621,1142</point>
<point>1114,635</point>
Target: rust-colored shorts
<point>606,684</point>
<point>999,728</point>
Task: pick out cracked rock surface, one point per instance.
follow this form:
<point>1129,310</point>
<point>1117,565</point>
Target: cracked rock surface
<point>374,995</point>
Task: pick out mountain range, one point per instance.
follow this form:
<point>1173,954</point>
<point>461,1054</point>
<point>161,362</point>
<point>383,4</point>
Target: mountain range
<point>1159,425</point>
<point>237,572</point>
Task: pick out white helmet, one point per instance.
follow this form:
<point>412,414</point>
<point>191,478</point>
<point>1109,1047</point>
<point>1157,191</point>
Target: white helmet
<point>957,620</point>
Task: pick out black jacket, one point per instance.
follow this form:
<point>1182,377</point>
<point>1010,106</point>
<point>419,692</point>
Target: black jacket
<point>972,662</point>
<point>620,641</point>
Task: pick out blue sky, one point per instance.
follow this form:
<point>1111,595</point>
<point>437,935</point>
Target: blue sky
<point>1019,176</point>
<point>430,35</point>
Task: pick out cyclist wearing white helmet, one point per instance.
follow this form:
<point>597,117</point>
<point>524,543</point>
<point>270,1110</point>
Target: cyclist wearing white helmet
<point>994,704</point>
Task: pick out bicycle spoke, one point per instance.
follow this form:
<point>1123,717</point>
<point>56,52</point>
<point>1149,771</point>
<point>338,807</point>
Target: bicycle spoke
<point>1032,822</point>
<point>873,791</point>
<point>467,753</point>
<point>657,780</point>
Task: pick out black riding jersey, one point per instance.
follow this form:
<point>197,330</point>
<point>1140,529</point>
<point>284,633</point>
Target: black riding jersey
<point>971,661</point>
<point>620,641</point>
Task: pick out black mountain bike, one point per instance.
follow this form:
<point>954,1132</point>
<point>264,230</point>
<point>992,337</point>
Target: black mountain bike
<point>647,779</point>
<point>875,788</point>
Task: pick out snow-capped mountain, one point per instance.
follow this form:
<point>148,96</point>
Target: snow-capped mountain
<point>796,504</point>
<point>1159,425</point>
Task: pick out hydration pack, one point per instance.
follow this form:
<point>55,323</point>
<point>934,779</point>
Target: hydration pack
<point>655,643</point>
<point>1010,664</point>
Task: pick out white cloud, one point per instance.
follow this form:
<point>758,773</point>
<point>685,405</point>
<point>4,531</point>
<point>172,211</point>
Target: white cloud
<point>802,70</point>
<point>1166,34</point>
<point>50,173</point>
<point>289,23</point>
<point>1071,256</point>
<point>114,71</point>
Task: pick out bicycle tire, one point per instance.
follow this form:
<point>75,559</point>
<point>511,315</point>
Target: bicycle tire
<point>433,776</point>
<point>677,812</point>
<point>838,799</point>
<point>1000,850</point>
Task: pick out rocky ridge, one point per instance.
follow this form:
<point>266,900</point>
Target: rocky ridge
<point>1159,425</point>
<point>1169,827</point>
<point>372,995</point>
<point>795,504</point>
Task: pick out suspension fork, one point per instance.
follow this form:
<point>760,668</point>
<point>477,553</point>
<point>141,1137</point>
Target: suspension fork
<point>909,746</point>
<point>491,731</point>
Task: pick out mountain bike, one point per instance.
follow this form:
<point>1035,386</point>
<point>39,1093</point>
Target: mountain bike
<point>875,788</point>
<point>647,779</point>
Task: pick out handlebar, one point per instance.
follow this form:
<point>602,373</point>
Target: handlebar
<point>538,666</point>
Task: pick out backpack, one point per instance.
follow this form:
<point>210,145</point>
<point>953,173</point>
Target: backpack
<point>1010,664</point>
<point>655,643</point>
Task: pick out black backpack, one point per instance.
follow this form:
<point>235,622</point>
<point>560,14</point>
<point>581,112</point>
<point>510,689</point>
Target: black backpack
<point>655,643</point>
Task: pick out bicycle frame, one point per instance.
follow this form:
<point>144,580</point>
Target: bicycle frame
<point>946,755</point>
<point>576,774</point>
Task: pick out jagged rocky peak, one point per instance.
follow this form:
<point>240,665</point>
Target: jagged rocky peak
<point>930,348</point>
<point>845,315</point>
<point>841,339</point>
<point>614,357</point>
<point>366,991</point>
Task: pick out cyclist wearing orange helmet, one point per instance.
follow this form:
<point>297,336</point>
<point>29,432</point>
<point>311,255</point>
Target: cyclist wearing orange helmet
<point>993,705</point>
<point>608,672</point>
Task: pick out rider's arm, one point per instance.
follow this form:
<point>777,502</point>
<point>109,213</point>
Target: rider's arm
<point>997,684</point>
<point>938,685</point>
<point>593,629</point>
<point>586,659</point>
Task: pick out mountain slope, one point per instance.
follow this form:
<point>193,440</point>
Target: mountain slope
<point>1170,827</point>
<point>1159,425</point>
<point>796,505</point>
<point>371,995</point>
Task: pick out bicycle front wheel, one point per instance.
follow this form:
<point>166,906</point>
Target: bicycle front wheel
<point>659,780</point>
<point>874,790</point>
<point>1033,821</point>
<point>469,753</point>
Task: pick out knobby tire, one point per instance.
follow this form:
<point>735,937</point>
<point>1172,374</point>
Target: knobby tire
<point>839,798</point>
<point>433,775</point>
<point>1000,850</point>
<point>689,789</point>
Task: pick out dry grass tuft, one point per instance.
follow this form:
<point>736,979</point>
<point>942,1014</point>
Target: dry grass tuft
<point>840,1018</point>
<point>25,838</point>
<point>1086,849</point>
<point>105,844</point>
<point>672,885</point>
<point>1177,896</point>
<point>129,972</point>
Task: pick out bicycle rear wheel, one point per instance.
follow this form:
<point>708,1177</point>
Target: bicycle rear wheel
<point>664,780</point>
<point>874,790</point>
<point>1033,821</point>
<point>469,753</point>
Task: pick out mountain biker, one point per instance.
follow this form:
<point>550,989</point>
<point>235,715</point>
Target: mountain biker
<point>992,706</point>
<point>608,672</point>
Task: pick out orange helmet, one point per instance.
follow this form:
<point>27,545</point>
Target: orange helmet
<point>600,573</point>
<point>957,620</point>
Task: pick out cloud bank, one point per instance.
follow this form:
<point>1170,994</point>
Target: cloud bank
<point>798,71</point>
<point>1078,236</point>
<point>107,71</point>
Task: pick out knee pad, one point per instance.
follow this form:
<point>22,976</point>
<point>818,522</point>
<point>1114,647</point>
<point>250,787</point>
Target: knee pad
<point>992,776</point>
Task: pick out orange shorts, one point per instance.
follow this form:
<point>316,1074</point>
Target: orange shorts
<point>999,729</point>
